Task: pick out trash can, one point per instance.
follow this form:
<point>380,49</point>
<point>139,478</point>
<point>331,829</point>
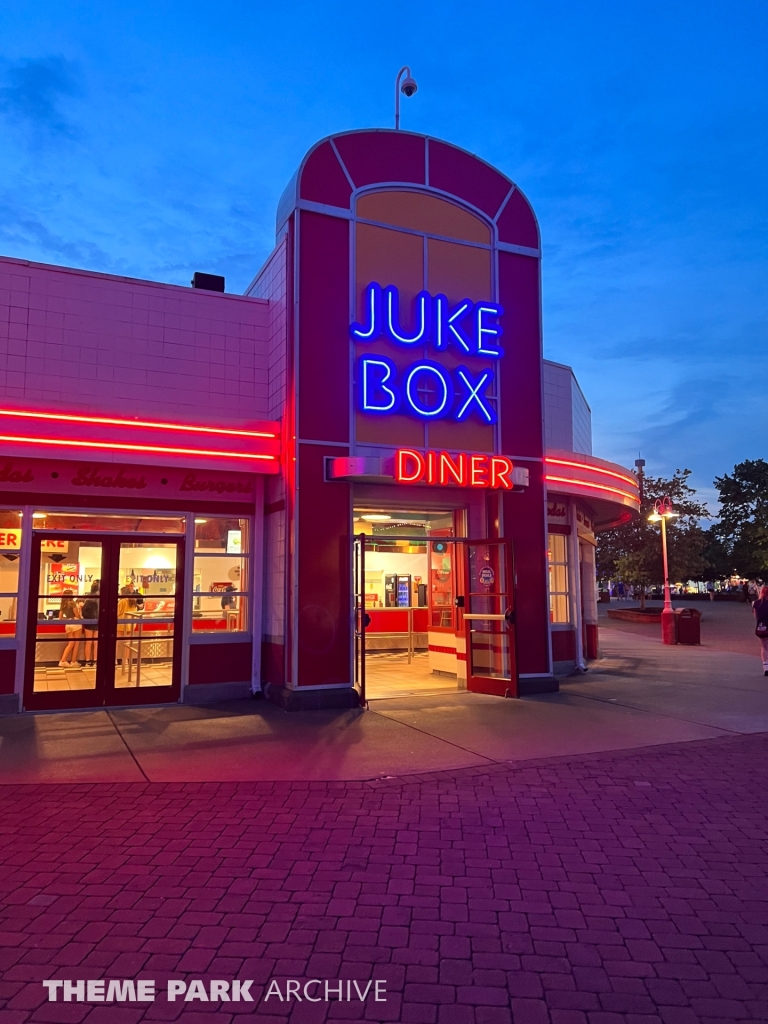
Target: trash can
<point>688,622</point>
<point>605,597</point>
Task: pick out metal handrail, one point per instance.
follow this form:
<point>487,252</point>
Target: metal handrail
<point>488,618</point>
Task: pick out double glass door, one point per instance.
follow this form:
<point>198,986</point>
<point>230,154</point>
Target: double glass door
<point>104,621</point>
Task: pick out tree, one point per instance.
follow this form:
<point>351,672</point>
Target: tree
<point>742,532</point>
<point>632,553</point>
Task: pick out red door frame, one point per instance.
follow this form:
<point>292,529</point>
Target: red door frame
<point>105,693</point>
<point>485,684</point>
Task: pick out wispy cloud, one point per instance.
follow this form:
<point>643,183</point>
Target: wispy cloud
<point>20,229</point>
<point>35,90</point>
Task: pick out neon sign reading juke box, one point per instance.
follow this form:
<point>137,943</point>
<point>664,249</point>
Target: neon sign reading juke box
<point>425,388</point>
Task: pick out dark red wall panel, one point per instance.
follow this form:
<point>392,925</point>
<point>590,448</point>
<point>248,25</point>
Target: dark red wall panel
<point>323,179</point>
<point>524,525</point>
<point>371,157</point>
<point>7,670</point>
<point>465,176</point>
<point>273,663</point>
<point>323,371</point>
<point>520,369</point>
<point>591,642</point>
<point>220,663</point>
<point>324,561</point>
<point>563,645</point>
<point>517,223</point>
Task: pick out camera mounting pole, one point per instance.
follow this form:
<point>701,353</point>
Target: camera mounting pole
<point>408,88</point>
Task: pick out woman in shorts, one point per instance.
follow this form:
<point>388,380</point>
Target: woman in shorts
<point>70,613</point>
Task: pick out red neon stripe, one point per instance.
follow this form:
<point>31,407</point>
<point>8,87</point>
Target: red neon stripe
<point>592,469</point>
<point>133,447</point>
<point>133,423</point>
<point>599,487</point>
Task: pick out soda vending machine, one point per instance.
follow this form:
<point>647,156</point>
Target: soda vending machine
<point>403,591</point>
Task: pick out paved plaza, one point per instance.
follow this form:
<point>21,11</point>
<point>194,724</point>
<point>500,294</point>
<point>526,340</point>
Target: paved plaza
<point>597,856</point>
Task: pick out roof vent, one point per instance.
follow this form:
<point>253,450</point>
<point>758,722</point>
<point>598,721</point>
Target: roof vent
<point>211,282</point>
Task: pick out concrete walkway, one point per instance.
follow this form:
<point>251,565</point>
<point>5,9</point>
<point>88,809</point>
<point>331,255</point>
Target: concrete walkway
<point>641,693</point>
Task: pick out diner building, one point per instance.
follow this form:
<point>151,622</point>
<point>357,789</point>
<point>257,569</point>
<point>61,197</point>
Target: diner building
<point>358,480</point>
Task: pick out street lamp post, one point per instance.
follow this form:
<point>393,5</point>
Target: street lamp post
<point>662,511</point>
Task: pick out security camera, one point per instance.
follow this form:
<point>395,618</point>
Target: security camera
<point>409,87</point>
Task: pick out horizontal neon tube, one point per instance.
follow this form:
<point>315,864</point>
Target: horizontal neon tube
<point>133,447</point>
<point>592,469</point>
<point>133,423</point>
<point>586,483</point>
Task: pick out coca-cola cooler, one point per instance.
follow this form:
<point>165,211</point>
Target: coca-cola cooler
<point>397,591</point>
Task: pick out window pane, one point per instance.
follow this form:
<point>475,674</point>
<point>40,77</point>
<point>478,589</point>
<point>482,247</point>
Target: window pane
<point>10,531</point>
<point>558,579</point>
<point>220,574</point>
<point>557,547</point>
<point>558,604</point>
<point>442,584</point>
<point>212,615</point>
<point>10,548</point>
<point>148,569</point>
<point>221,536</point>
<point>106,524</point>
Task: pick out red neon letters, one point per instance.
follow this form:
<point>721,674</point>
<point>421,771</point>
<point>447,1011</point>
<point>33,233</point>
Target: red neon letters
<point>463,470</point>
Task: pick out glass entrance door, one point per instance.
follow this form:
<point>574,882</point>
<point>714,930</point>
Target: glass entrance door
<point>104,621</point>
<point>63,650</point>
<point>488,613</point>
<point>146,633</point>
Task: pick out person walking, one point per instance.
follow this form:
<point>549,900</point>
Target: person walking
<point>711,590</point>
<point>70,613</point>
<point>760,609</point>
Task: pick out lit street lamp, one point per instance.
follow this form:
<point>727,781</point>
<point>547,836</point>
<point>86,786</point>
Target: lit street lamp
<point>662,511</point>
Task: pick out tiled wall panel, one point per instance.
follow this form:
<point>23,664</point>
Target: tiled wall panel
<point>81,342</point>
<point>271,284</point>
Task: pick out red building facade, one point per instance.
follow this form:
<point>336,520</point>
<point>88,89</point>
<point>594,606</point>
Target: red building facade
<point>373,481</point>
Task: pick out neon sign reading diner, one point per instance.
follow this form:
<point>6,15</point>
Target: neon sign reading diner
<point>461,470</point>
<point>426,388</point>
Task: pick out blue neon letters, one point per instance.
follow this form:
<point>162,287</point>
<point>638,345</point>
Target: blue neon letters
<point>468,326</point>
<point>426,388</point>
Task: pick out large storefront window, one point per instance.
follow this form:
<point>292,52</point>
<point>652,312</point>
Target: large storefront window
<point>559,600</point>
<point>10,549</point>
<point>221,575</point>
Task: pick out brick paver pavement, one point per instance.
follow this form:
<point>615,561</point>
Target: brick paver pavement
<point>725,625</point>
<point>605,889</point>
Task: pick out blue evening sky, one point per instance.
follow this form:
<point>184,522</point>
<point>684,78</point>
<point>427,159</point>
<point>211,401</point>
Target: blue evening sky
<point>154,139</point>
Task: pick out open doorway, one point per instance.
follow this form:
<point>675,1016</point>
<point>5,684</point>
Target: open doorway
<point>434,610</point>
<point>408,585</point>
